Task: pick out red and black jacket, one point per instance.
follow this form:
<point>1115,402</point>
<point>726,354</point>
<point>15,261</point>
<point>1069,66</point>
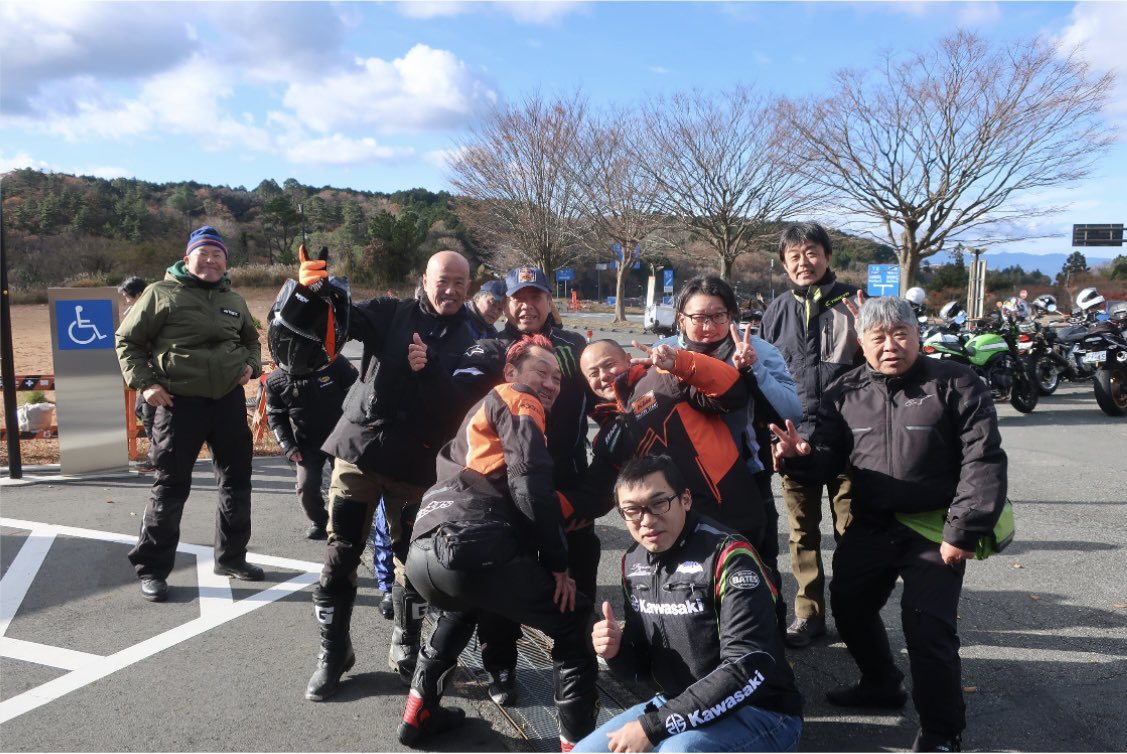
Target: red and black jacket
<point>679,414</point>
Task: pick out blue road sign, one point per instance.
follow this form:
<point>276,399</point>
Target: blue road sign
<point>84,325</point>
<point>668,280</point>
<point>565,273</point>
<point>884,280</point>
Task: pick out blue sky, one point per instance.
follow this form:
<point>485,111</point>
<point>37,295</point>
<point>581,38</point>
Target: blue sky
<point>374,95</point>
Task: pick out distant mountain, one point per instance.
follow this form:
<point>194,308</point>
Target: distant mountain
<point>1049,264</point>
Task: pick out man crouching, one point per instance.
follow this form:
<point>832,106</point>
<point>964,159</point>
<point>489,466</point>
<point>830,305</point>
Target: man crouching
<point>489,538</point>
<point>700,620</point>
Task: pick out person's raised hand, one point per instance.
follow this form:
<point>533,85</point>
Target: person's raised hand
<point>789,442</point>
<point>606,635</point>
<point>661,356</point>
<point>744,355</point>
<point>416,353</point>
<point>311,271</point>
<point>855,308</point>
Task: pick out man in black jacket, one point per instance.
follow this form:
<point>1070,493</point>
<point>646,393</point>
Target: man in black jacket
<point>700,622</point>
<point>929,473</point>
<point>812,325</point>
<point>302,409</point>
<point>528,312</point>
<point>396,417</point>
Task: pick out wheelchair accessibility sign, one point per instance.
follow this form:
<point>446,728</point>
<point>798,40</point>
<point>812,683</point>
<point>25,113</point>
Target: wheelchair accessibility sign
<point>84,324</point>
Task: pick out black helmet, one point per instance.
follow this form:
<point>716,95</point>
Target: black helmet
<point>306,328</point>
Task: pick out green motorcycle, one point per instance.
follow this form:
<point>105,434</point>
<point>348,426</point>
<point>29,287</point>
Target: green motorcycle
<point>990,349</point>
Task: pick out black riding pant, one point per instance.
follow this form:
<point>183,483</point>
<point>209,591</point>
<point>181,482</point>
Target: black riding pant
<point>310,470</point>
<point>867,561</point>
<point>179,432</point>
<point>520,591</point>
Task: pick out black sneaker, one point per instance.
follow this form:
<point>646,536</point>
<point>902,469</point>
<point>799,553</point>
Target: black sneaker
<point>502,686</point>
<point>386,606</point>
<point>936,742</point>
<point>803,631</point>
<point>316,531</point>
<point>154,589</point>
<point>243,571</point>
<point>886,695</point>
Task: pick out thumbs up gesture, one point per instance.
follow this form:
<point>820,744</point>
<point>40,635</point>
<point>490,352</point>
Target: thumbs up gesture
<point>416,353</point>
<point>607,634</point>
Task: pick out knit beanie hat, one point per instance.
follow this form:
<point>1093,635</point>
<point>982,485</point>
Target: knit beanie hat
<point>205,236</point>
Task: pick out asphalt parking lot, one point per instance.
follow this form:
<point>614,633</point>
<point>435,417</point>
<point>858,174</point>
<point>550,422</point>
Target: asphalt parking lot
<point>87,665</point>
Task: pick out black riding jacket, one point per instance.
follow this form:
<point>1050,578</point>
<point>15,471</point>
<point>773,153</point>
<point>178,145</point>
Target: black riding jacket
<point>816,334</point>
<point>395,420</point>
<point>925,441</point>
<point>700,621</point>
<point>482,367</point>
<point>302,410</point>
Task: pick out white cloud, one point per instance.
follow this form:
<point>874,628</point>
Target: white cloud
<point>978,13</point>
<point>443,158</point>
<point>658,69</point>
<point>20,160</point>
<point>1099,29</point>
<point>425,89</point>
<point>427,9</point>
<point>761,58</point>
<point>338,149</point>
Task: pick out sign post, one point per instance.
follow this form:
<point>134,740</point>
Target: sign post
<point>884,280</point>
<point>89,393</point>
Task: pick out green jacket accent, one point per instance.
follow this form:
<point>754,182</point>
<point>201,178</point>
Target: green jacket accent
<point>191,338</point>
<point>929,525</point>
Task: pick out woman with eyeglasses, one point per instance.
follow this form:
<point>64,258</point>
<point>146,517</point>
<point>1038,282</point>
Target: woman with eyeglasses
<point>707,310</point>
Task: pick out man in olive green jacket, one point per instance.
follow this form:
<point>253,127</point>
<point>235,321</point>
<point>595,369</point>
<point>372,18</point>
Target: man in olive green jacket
<point>189,345</point>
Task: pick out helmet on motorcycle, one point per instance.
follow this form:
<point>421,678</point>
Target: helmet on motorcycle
<point>1088,298</point>
<point>951,310</point>
<point>307,329</point>
<point>916,297</point>
<point>1045,303</point>
<point>1016,308</point>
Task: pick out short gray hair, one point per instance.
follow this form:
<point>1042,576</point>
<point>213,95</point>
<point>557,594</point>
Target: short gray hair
<point>486,293</point>
<point>885,313</point>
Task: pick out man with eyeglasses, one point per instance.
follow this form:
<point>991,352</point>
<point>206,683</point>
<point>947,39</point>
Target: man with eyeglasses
<point>700,623</point>
<point>188,345</point>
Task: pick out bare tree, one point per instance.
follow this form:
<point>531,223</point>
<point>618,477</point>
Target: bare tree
<point>940,147</point>
<point>618,200</point>
<point>724,167</point>
<point>520,195</point>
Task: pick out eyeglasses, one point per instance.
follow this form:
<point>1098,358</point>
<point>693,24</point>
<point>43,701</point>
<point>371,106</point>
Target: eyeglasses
<point>634,513</point>
<point>700,320</point>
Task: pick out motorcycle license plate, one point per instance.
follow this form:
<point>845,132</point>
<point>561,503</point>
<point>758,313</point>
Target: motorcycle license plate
<point>1093,357</point>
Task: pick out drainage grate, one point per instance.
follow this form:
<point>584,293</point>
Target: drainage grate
<point>533,716</point>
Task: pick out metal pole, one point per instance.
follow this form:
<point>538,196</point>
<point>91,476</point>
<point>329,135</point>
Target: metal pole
<point>8,368</point>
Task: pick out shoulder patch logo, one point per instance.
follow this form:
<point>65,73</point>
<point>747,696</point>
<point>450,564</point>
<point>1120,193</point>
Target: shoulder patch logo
<point>230,312</point>
<point>743,580</point>
<point>634,603</point>
<point>690,566</point>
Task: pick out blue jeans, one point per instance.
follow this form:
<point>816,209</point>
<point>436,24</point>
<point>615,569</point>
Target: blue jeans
<point>747,729</point>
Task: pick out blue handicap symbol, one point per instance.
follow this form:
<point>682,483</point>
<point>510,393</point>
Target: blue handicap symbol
<point>83,325</point>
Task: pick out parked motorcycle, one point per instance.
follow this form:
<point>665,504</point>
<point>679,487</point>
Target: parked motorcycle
<point>1051,354</point>
<point>990,349</point>
<point>1104,348</point>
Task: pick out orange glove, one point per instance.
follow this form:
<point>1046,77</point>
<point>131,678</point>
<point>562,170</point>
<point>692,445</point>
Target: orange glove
<point>312,271</point>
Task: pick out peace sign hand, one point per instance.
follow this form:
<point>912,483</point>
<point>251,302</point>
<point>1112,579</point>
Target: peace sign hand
<point>744,356</point>
<point>789,444</point>
<point>855,309</point>
<point>661,356</point>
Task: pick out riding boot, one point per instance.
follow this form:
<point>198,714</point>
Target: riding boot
<point>577,719</point>
<point>334,613</point>
<point>423,715</point>
<point>408,608</point>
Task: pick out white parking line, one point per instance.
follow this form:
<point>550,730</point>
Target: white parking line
<point>216,608</point>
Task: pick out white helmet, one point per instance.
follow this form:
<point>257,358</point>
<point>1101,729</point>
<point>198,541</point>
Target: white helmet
<point>951,310</point>
<point>1046,302</point>
<point>1088,298</point>
<point>1016,308</point>
<point>916,296</point>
